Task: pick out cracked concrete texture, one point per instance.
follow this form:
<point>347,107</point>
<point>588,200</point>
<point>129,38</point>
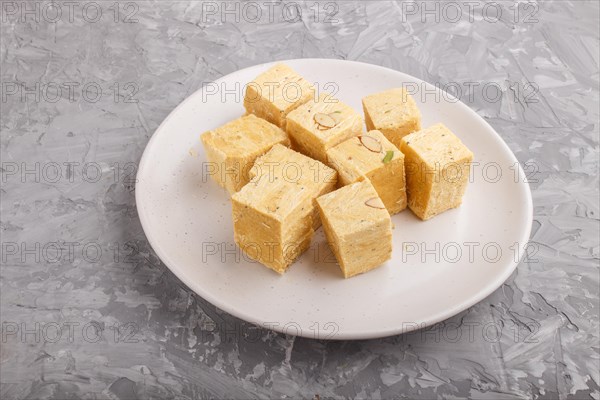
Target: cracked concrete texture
<point>104,318</point>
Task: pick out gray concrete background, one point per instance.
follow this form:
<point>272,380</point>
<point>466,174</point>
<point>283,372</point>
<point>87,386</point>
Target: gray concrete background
<point>89,312</point>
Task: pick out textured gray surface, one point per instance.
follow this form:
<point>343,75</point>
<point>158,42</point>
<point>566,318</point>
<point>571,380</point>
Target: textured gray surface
<point>103,318</point>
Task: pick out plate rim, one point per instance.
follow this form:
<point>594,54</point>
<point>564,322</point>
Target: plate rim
<point>484,292</point>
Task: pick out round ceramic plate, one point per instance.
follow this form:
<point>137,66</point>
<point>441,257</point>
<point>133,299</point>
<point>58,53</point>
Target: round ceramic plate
<point>438,268</point>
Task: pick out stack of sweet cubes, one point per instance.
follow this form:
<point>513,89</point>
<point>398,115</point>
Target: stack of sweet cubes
<point>297,161</point>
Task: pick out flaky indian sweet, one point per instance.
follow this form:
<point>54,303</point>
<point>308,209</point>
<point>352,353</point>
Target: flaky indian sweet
<point>357,226</point>
<point>232,148</point>
<point>321,124</point>
<point>437,168</point>
<point>275,93</point>
<point>274,215</point>
<point>393,112</point>
<point>371,156</point>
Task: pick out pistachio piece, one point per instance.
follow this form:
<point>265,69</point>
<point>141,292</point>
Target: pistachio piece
<point>388,156</point>
<point>371,143</point>
<point>375,202</point>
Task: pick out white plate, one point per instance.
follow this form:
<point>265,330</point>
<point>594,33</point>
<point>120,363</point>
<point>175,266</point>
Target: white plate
<point>187,219</point>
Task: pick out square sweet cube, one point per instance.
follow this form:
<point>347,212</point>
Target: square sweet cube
<point>357,226</point>
<point>371,156</point>
<point>320,124</point>
<point>297,169</point>
<point>393,112</point>
<point>232,148</point>
<point>276,92</point>
<point>275,215</point>
<point>437,167</point>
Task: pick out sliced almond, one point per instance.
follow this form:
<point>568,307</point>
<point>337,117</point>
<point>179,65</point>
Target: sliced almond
<point>325,120</point>
<point>371,143</point>
<point>336,115</point>
<point>375,202</point>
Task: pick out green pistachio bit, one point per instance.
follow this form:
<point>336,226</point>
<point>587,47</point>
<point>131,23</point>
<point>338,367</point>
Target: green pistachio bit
<point>388,156</point>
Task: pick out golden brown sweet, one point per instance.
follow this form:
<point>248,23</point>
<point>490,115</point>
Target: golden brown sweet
<point>357,226</point>
<point>321,124</point>
<point>276,92</point>
<point>393,112</point>
<point>274,215</point>
<point>232,148</point>
<point>437,167</point>
<point>371,156</point>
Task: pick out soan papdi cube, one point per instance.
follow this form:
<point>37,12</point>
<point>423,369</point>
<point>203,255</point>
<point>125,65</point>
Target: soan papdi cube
<point>276,92</point>
<point>297,169</point>
<point>321,124</point>
<point>232,148</point>
<point>437,167</point>
<point>371,156</point>
<point>393,112</point>
<point>274,215</point>
<point>357,226</point>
